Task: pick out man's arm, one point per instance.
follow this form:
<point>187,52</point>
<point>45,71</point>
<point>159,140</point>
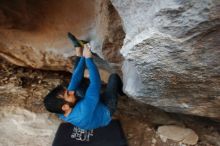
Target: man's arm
<point>77,75</point>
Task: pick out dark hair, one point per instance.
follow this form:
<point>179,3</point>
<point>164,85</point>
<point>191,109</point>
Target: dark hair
<point>52,102</point>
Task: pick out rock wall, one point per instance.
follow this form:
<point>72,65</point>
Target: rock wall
<point>34,33</point>
<point>172,51</point>
<point>22,127</point>
<point>170,48</point>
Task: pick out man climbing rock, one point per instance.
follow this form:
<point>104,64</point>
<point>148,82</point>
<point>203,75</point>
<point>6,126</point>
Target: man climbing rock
<point>90,111</point>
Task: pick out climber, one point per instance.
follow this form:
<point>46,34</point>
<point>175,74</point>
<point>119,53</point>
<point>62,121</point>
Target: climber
<point>91,111</point>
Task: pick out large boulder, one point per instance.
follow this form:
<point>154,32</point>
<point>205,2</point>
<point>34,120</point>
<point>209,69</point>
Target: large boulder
<point>171,51</point>
<point>22,127</point>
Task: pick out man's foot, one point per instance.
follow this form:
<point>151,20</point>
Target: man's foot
<point>83,42</point>
<point>79,43</point>
<point>74,40</point>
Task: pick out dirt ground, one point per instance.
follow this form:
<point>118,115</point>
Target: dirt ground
<point>25,87</point>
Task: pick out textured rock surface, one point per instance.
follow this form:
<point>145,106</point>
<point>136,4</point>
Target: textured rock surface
<point>22,127</point>
<point>170,47</point>
<point>33,33</point>
<point>180,134</point>
<point>173,54</point>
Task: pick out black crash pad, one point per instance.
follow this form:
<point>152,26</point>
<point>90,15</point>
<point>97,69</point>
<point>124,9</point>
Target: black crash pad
<point>111,135</point>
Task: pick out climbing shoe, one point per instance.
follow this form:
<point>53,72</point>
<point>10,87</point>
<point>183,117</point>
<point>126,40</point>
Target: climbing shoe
<point>83,42</point>
<point>74,40</point>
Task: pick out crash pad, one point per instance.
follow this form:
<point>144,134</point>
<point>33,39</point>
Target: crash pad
<point>70,135</point>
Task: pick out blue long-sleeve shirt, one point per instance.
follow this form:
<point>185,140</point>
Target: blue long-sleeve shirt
<point>89,113</point>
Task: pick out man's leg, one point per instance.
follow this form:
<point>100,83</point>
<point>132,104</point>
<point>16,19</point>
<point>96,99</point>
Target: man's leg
<point>76,62</point>
<point>84,83</point>
<point>78,72</point>
<point>110,95</point>
<point>78,47</point>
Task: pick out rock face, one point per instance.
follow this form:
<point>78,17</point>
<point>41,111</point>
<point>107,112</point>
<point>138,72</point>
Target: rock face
<point>176,133</point>
<point>172,54</point>
<point>170,48</point>
<point>33,33</point>
<point>22,127</point>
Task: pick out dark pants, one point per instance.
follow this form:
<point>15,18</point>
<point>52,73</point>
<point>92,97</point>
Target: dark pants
<point>110,95</point>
